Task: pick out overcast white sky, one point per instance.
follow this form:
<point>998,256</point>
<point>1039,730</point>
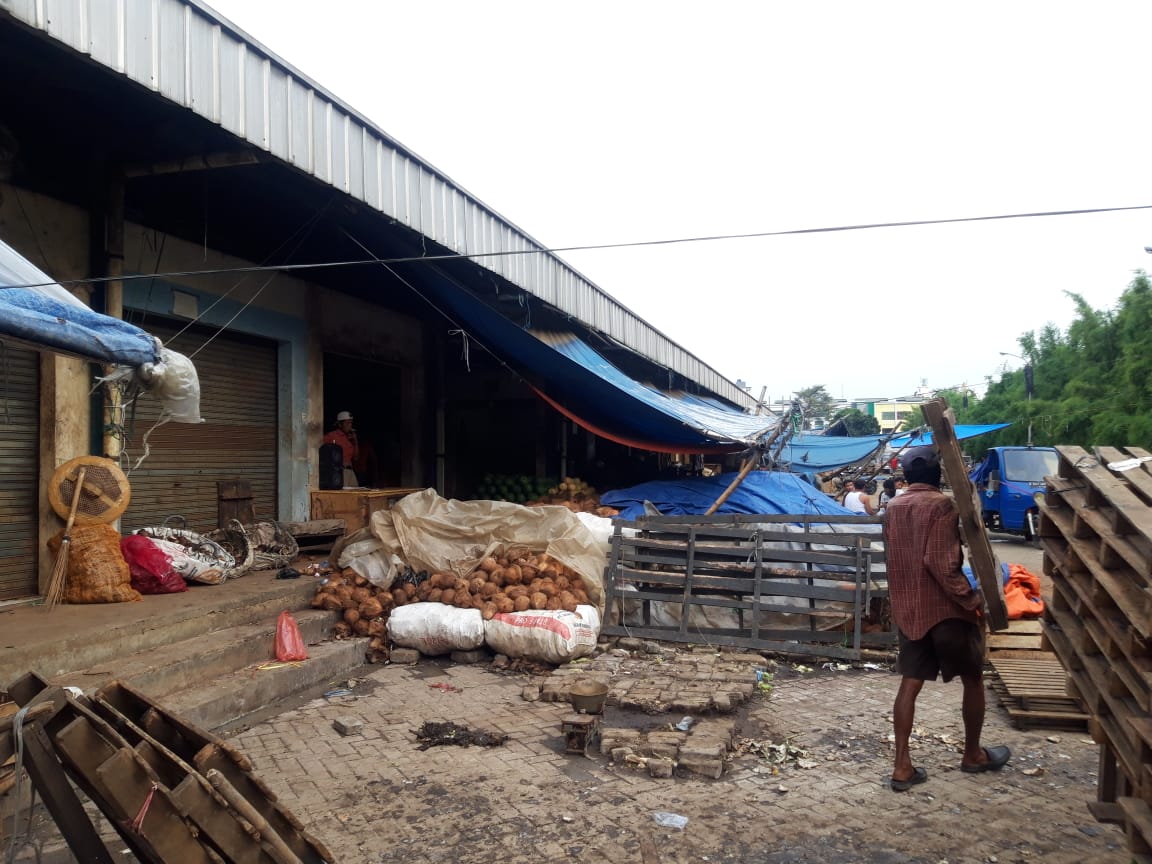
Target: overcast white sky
<point>608,122</point>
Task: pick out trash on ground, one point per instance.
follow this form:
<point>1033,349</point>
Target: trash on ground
<point>437,734</point>
<point>777,754</point>
<point>685,724</point>
<point>670,820</point>
<point>447,688</point>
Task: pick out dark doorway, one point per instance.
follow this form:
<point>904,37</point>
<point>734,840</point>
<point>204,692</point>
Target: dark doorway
<point>371,391</point>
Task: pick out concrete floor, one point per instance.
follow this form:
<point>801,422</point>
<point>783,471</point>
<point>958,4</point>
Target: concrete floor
<point>76,637</point>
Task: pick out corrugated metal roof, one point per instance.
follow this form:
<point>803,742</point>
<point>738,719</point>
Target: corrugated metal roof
<point>190,55</point>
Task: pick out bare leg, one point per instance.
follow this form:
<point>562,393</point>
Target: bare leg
<point>903,714</point>
<point>972,710</point>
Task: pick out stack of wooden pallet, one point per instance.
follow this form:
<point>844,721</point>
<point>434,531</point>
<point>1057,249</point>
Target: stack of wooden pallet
<point>174,792</point>
<point>1096,526</point>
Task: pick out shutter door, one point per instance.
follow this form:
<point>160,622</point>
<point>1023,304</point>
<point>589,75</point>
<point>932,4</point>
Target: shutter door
<point>19,466</point>
<point>237,441</point>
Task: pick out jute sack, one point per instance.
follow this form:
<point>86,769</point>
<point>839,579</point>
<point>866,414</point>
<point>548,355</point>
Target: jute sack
<point>97,571</point>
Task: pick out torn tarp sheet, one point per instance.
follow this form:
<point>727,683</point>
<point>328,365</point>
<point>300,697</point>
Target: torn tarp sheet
<point>584,385</point>
<point>760,492</point>
<point>812,454</point>
<point>49,317</point>
<point>961,430</point>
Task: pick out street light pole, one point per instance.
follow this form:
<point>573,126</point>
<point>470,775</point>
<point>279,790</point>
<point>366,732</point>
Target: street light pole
<point>1027,388</point>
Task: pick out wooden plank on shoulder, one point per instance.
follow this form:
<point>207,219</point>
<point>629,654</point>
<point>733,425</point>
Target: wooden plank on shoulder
<point>942,422</point>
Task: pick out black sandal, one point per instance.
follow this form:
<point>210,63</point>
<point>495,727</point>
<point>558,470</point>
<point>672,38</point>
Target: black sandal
<point>919,775</point>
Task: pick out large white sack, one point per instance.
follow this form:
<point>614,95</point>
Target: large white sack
<point>435,628</point>
<point>549,637</point>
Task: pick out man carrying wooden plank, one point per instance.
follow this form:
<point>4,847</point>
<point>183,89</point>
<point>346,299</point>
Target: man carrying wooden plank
<point>937,614</point>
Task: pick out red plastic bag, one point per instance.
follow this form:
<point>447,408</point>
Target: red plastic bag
<point>289,642</point>
<point>150,566</point>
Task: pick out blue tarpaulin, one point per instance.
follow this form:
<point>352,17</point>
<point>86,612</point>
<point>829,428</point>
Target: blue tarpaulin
<point>581,383</point>
<point>810,454</point>
<point>49,317</point>
<point>962,431</point>
<point>760,492</point>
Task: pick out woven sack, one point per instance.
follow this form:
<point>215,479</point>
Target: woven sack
<point>97,571</point>
<point>204,560</point>
<point>273,544</point>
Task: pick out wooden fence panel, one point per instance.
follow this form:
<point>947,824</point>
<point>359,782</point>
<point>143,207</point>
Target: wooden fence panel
<point>770,583</point>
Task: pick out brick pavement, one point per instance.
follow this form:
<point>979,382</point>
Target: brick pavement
<point>374,797</point>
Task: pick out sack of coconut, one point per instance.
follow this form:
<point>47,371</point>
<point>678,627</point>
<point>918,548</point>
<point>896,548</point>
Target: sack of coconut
<point>433,628</point>
<point>97,571</point>
<point>546,636</point>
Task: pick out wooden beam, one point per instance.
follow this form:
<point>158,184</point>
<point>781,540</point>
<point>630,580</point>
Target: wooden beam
<point>939,417</point>
<point>204,162</point>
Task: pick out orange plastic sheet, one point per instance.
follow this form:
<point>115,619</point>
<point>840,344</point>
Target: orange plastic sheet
<point>1022,593</point>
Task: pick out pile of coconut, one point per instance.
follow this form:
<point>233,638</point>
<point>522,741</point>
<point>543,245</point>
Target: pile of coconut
<point>518,580</point>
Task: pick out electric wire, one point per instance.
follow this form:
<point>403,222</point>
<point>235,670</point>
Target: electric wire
<point>469,256</point>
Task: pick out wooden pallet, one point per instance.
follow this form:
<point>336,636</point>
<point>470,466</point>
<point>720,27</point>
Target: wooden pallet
<point>1034,691</point>
<point>1023,638</point>
<point>1096,528</point>
<point>174,792</point>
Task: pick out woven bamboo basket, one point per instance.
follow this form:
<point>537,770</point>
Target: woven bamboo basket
<point>235,541</point>
<point>273,545</point>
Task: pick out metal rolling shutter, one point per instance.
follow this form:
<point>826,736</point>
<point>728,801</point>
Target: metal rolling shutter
<point>19,464</point>
<point>237,441</point>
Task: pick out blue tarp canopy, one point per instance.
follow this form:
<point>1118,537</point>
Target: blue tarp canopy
<point>962,431</point>
<point>811,454</point>
<point>586,387</point>
<point>760,492</point>
<point>49,317</point>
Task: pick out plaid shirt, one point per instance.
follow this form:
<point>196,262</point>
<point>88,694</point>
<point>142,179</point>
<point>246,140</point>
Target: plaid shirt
<point>922,542</point>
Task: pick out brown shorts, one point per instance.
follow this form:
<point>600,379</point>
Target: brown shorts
<point>953,647</point>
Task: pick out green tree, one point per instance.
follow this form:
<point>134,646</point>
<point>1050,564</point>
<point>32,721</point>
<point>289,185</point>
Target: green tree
<point>856,423</point>
<point>1092,384</point>
<point>816,402</point>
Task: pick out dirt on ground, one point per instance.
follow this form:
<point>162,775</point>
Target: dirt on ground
<point>804,775</point>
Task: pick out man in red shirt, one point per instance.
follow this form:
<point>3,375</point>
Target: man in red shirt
<point>345,435</point>
<point>937,613</point>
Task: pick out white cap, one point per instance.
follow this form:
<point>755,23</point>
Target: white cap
<point>343,415</point>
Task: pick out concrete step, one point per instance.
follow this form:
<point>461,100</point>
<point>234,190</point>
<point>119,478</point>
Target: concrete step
<point>76,637</point>
<point>192,662</point>
<point>230,698</point>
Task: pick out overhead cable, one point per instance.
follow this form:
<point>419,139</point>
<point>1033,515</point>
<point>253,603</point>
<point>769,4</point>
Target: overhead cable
<point>460,256</point>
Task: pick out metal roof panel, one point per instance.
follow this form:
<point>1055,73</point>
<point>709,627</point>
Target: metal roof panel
<point>192,56</point>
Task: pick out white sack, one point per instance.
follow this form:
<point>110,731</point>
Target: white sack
<point>175,383</point>
<point>434,628</point>
<point>549,637</point>
<point>368,557</point>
